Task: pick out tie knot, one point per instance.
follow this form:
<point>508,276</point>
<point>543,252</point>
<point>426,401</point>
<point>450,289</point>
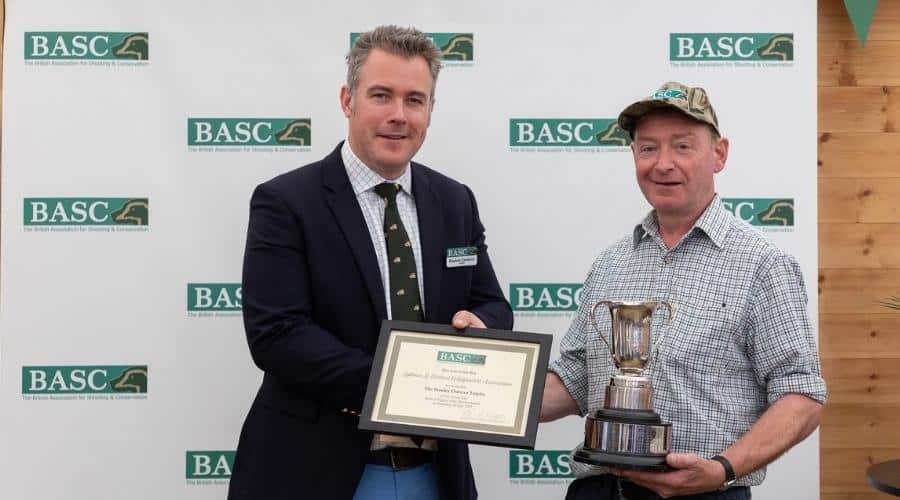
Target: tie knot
<point>388,190</point>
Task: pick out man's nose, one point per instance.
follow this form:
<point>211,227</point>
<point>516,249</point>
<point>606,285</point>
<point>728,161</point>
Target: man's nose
<point>397,112</point>
<point>666,159</point>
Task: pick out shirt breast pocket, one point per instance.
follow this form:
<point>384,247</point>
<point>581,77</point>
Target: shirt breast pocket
<point>704,338</point>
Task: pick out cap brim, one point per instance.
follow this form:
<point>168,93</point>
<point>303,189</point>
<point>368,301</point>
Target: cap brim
<point>629,117</point>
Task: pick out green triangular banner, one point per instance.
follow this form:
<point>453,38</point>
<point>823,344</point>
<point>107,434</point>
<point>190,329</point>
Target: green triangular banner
<point>861,13</point>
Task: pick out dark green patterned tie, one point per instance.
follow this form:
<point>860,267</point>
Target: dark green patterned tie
<point>404,283</point>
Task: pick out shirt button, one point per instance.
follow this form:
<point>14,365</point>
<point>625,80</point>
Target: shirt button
<point>668,259</point>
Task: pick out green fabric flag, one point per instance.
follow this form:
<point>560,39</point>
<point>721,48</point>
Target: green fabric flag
<point>861,13</point>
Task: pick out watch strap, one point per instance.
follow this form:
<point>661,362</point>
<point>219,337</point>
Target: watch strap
<point>729,470</point>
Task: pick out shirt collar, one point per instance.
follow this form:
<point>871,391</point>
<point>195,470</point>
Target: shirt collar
<point>713,222</point>
<point>363,178</point>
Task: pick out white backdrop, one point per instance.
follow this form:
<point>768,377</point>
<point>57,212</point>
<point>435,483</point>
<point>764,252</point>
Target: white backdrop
<point>99,296</point>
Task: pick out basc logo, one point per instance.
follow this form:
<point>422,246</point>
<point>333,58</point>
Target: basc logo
<point>767,213</point>
<point>252,134</point>
<point>69,212</point>
<point>214,299</point>
<point>204,467</point>
<point>84,382</point>
<point>545,297</point>
<point>753,49</point>
<point>563,133</point>
<point>540,464</point>
<point>86,45</point>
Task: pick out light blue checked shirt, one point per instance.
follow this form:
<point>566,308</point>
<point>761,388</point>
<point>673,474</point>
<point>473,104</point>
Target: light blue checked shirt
<point>740,340</point>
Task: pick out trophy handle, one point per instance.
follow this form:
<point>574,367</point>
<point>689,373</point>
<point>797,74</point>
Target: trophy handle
<point>594,321</point>
<point>668,327</point>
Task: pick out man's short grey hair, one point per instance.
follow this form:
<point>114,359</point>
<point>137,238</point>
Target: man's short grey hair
<point>404,42</point>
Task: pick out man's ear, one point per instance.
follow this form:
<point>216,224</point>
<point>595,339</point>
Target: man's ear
<point>721,152</point>
<point>346,101</point>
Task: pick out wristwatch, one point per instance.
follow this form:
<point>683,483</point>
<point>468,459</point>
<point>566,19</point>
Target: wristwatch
<point>729,471</point>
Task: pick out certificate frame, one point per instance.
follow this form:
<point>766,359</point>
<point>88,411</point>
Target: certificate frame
<point>401,343</point>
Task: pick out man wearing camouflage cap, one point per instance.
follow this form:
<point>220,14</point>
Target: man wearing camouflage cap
<point>738,373</point>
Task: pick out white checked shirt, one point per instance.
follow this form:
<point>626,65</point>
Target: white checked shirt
<point>741,337</point>
<point>363,179</point>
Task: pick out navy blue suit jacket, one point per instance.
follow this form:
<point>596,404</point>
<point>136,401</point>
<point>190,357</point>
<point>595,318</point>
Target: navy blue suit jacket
<point>313,305</point>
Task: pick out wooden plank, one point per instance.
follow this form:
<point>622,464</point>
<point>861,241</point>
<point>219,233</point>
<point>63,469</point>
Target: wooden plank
<point>834,23</point>
<point>859,246</point>
<point>865,381</point>
<point>843,472</point>
<point>852,155</point>
<point>870,200</point>
<point>856,291</point>
<point>857,496</point>
<point>856,109</point>
<point>839,199</point>
<point>860,426</point>
<point>849,336</point>
<point>891,109</point>
<point>846,63</point>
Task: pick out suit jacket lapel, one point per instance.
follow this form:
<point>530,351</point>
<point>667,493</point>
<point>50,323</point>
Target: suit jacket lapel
<point>345,207</point>
<point>431,238</point>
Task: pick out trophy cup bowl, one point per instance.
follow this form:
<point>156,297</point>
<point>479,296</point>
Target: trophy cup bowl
<point>626,433</point>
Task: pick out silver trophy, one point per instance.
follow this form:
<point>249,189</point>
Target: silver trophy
<point>626,433</point>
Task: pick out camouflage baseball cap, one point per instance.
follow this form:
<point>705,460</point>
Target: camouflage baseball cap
<point>691,101</point>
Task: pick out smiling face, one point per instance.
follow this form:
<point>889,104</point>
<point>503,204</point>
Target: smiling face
<point>389,111</point>
<point>675,159</point>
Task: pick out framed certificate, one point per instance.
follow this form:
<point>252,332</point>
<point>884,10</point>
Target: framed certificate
<point>479,385</point>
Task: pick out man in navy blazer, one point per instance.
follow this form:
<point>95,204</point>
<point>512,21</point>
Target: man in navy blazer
<point>315,290</point>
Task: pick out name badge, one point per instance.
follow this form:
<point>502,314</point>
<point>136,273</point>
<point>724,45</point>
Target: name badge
<point>462,256</point>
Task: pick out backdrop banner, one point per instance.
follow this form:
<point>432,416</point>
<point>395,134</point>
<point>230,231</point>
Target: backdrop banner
<point>134,133</point>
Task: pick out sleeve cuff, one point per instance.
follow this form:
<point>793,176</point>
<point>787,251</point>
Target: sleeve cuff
<point>811,386</point>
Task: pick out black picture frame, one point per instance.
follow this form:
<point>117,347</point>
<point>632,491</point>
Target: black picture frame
<point>451,337</point>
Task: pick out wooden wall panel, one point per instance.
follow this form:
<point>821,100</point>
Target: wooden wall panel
<point>859,246</point>
<point>852,336</point>
<point>856,246</point>
<point>848,200</point>
<point>852,463</point>
<point>863,381</point>
<point>858,155</point>
<point>857,496</point>
<point>858,109</point>
<point>835,25</point>
<point>856,291</point>
<point>870,425</point>
<point>845,63</point>
<point>843,472</point>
